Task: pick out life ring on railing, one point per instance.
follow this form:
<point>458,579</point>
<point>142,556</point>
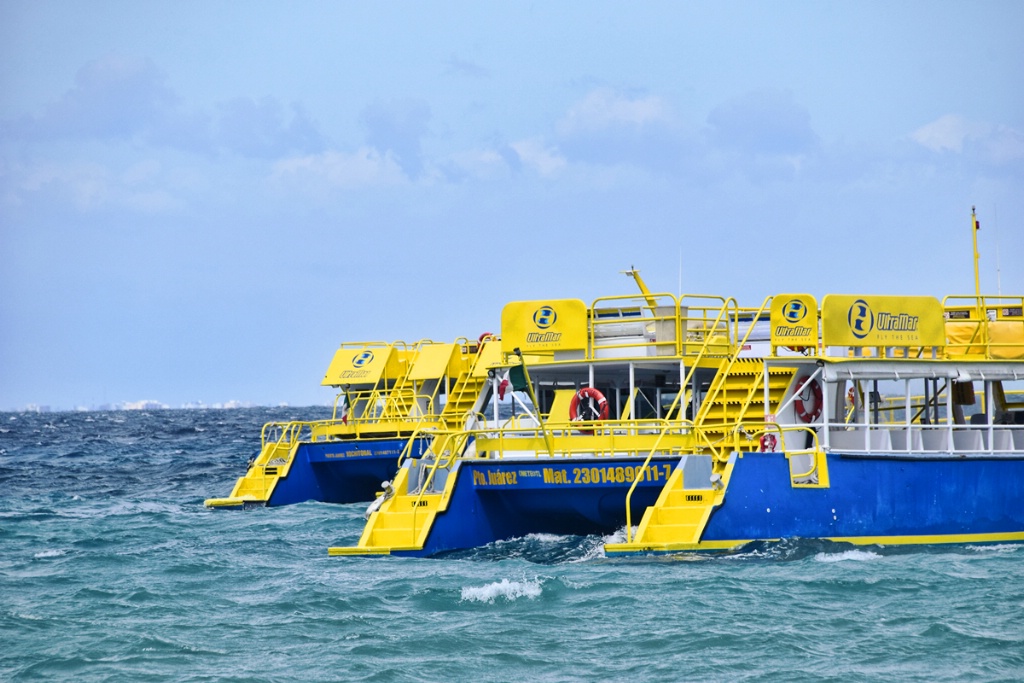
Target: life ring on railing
<point>480,340</point>
<point>768,443</point>
<point>805,392</point>
<point>587,405</point>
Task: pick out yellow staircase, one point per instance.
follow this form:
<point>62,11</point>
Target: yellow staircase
<point>402,522</point>
<point>677,520</point>
<point>256,486</point>
<point>469,384</point>
<point>737,394</point>
<point>462,398</point>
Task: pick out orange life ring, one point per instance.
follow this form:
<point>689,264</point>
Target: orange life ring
<point>805,390</point>
<point>587,405</point>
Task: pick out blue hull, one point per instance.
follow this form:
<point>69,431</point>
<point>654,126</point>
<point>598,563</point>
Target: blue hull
<point>874,498</point>
<point>495,500</point>
<point>341,471</point>
<point>870,500</point>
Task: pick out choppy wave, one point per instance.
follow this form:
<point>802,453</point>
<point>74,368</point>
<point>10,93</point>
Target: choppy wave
<point>508,590</point>
<point>848,556</point>
<point>113,570</point>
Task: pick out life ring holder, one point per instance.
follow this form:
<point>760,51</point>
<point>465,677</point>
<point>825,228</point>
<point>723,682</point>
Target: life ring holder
<point>804,386</point>
<point>577,407</point>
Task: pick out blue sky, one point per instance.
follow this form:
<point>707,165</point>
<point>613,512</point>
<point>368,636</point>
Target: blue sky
<point>199,201</point>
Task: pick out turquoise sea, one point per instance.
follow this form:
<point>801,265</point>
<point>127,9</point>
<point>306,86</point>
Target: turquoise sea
<point>112,570</point>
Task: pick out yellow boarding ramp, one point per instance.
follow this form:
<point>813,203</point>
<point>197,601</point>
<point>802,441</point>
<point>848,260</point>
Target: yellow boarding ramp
<point>677,520</point>
<point>402,515</point>
<point>280,441</point>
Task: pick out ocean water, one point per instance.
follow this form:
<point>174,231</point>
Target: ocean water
<point>112,570</point>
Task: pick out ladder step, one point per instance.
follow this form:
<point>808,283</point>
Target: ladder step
<point>673,533</point>
<point>391,538</point>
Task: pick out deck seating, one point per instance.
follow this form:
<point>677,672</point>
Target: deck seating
<point>935,440</point>
<point>967,440</point>
<point>1002,440</point>
<point>900,438</point>
<point>860,439</point>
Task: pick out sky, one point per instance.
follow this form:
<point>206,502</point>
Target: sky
<point>199,201</point>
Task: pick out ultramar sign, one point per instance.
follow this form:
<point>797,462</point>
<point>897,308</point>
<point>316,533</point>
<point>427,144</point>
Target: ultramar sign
<point>851,320</point>
<point>794,320</point>
<point>544,326</point>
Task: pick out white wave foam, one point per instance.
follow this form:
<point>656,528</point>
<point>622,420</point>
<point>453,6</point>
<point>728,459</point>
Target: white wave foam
<point>510,590</point>
<point>594,552</point>
<point>995,548</point>
<point>848,555</point>
<point>546,538</point>
<point>50,553</point>
<point>617,536</point>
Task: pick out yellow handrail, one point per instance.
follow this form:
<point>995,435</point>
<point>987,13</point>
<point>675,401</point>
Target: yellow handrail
<point>699,434</point>
<point>461,440</point>
<point>761,428</point>
<point>733,357</point>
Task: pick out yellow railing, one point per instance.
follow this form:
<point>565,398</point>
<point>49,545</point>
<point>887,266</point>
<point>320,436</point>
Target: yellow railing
<point>699,434</point>
<point>984,326</point>
<point>621,437</point>
<point>753,431</point>
<point>451,446</point>
<point>672,326</point>
<point>723,374</point>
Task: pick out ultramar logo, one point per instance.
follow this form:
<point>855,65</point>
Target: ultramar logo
<point>863,320</point>
<point>544,317</point>
<point>793,311</point>
<point>361,360</point>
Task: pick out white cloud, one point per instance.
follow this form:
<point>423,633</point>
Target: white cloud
<point>87,185</point>
<point>364,167</point>
<point>948,133</point>
<point>605,108</point>
<point>951,133</point>
<point>479,163</point>
<point>544,159</point>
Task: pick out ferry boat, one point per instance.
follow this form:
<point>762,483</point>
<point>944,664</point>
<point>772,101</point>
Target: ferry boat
<point>391,397</point>
<point>696,424</point>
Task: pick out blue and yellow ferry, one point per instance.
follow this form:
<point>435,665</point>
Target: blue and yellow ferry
<point>391,397</point>
<point>696,424</point>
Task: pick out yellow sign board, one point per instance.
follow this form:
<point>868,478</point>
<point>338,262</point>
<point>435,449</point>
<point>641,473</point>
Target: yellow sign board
<point>358,365</point>
<point>794,320</point>
<point>544,326</point>
<point>850,320</point>
<point>432,362</point>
